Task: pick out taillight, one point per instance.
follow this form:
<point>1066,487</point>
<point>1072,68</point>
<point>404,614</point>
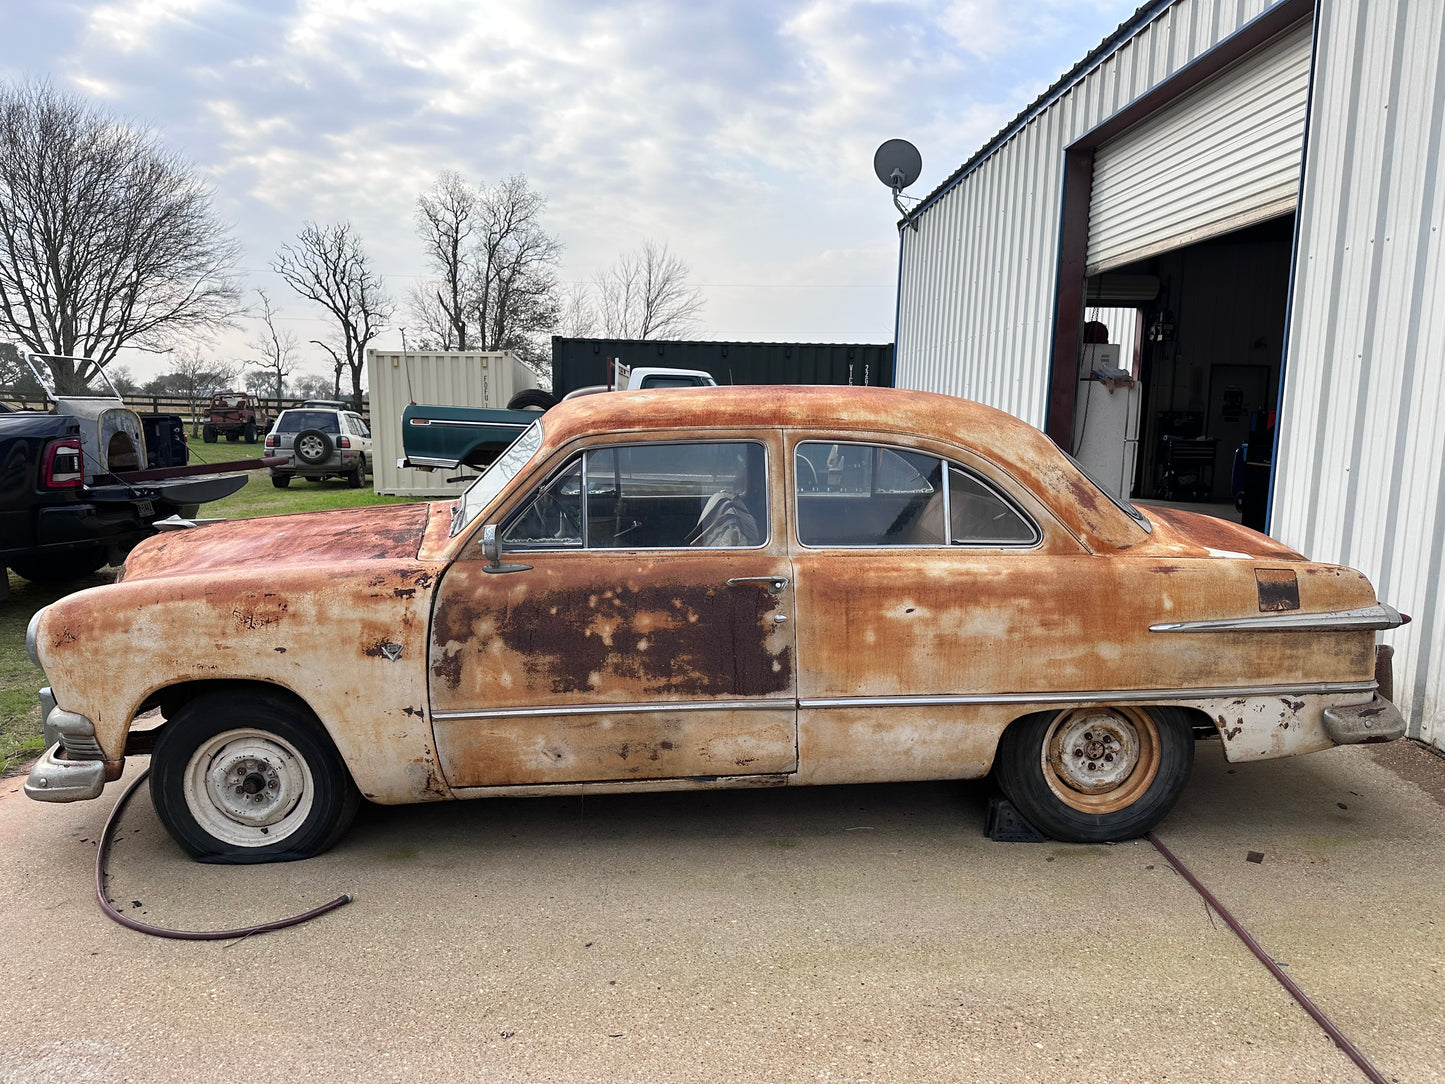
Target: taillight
<point>270,440</point>
<point>344,442</point>
<point>62,467</point>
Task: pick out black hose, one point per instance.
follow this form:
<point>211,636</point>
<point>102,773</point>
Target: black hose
<point>103,850</point>
<point>1351,1051</point>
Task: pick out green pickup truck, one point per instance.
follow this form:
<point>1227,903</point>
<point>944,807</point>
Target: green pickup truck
<point>458,436</point>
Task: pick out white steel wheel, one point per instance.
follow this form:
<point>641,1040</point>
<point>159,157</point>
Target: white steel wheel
<point>248,788</point>
<point>250,775</point>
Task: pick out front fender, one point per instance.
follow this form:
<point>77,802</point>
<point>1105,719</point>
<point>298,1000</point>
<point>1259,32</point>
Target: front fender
<point>348,639</point>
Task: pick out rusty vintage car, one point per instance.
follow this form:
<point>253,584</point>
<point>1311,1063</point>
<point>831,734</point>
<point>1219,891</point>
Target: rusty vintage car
<point>729,587</point>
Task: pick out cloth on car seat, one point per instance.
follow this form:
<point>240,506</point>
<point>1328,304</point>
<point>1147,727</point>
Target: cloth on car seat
<point>725,521</point>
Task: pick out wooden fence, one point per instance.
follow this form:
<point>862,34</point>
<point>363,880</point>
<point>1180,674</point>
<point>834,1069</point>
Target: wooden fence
<point>164,404</point>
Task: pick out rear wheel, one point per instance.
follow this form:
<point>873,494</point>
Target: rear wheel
<point>250,779</point>
<point>250,432</point>
<point>357,478</point>
<point>1099,774</point>
<point>208,434</point>
<point>280,481</point>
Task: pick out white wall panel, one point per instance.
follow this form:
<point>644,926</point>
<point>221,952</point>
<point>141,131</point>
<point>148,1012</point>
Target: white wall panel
<point>976,289</point>
<point>1361,463</point>
<point>1220,158</point>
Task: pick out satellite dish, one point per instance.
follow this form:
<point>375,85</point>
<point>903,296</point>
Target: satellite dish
<point>897,163</point>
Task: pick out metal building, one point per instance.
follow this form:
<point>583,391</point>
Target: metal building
<point>1260,182</point>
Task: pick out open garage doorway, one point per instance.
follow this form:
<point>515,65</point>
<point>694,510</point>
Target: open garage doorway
<point>1209,356</point>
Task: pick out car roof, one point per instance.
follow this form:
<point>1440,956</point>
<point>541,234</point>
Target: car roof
<point>1011,443</point>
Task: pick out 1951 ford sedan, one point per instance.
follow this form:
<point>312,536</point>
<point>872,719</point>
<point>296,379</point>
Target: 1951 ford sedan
<point>720,587</point>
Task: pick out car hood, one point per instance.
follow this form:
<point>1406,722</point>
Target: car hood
<point>386,532</point>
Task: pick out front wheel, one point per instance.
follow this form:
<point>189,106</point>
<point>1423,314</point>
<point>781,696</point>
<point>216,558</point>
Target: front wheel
<point>250,779</point>
<point>1096,775</point>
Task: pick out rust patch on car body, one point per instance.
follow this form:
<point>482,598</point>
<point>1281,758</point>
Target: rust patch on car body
<point>376,533</point>
<point>1278,589</point>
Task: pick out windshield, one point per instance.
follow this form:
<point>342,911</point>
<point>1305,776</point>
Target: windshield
<point>1118,502</point>
<point>506,467</point>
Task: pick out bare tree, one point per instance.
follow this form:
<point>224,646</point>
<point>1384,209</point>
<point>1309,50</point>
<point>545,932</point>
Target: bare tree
<point>327,266</point>
<point>646,295</point>
<point>578,316</point>
<point>314,386</point>
<point>277,347</point>
<point>496,286</point>
<point>447,217</point>
<point>106,239</point>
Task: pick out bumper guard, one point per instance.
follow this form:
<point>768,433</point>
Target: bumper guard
<point>1377,721</point>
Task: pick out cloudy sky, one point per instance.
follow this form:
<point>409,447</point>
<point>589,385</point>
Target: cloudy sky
<point>741,133</point>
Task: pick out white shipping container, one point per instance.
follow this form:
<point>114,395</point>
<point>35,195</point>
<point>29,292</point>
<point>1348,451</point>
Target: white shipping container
<point>446,378</point>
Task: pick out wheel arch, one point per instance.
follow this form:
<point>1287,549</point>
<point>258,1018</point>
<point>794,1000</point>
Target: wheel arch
<point>171,699</point>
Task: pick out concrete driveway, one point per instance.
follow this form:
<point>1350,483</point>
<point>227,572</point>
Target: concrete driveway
<point>839,934</point>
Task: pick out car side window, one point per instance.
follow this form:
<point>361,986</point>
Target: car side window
<point>651,496</point>
<point>980,516</point>
<point>868,495</point>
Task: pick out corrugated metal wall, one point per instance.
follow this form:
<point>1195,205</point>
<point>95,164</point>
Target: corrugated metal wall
<point>976,290</point>
<point>1361,464</point>
<point>448,378</point>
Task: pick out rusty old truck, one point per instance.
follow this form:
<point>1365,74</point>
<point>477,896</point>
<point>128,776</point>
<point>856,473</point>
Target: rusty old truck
<point>721,587</point>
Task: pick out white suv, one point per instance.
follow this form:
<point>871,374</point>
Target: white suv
<point>322,442</point>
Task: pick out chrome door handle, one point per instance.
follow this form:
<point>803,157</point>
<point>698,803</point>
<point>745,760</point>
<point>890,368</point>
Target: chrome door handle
<point>774,584</point>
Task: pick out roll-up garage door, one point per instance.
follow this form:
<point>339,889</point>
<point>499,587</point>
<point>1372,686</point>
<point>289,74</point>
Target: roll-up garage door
<point>1222,157</point>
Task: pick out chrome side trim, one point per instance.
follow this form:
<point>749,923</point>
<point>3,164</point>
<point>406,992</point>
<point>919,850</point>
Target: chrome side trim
<point>463,423</point>
<point>1366,617</point>
<point>1114,696</point>
<point>612,709</point>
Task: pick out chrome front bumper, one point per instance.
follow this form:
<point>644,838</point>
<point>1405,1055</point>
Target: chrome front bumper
<point>57,780</point>
<point>73,767</point>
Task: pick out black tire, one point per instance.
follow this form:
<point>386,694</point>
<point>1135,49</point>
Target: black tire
<point>357,478</point>
<point>1047,762</point>
<point>250,432</point>
<point>532,399</point>
<point>208,434</point>
<point>59,567</point>
<point>313,447</point>
<point>280,481</point>
<point>222,751</point>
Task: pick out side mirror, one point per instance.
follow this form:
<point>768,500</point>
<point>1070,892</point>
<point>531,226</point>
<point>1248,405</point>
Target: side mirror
<point>492,550</point>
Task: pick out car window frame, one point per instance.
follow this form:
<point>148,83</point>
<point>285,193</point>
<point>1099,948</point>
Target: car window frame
<point>524,504</point>
<point>947,543</point>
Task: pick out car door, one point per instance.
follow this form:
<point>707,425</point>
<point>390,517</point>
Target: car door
<point>644,631</point>
<point>922,587</point>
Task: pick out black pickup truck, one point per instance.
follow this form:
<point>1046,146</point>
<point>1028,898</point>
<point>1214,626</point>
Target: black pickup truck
<point>80,485</point>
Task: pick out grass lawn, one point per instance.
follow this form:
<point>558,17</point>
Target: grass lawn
<point>20,740</point>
